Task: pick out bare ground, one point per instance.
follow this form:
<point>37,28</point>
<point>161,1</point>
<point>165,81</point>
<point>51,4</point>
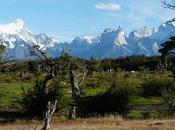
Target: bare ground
<point>98,124</point>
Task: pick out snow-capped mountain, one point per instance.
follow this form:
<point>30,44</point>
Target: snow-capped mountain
<point>140,42</point>
<point>18,40</point>
<point>110,43</point>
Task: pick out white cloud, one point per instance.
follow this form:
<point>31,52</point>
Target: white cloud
<point>108,6</point>
<point>139,13</point>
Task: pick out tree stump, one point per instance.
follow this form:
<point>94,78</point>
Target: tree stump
<point>72,113</point>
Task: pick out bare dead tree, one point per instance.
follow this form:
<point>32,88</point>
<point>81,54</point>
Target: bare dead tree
<point>55,67</point>
<point>72,112</point>
<point>58,68</point>
<point>169,5</point>
<point>83,76</point>
<point>49,113</point>
<point>37,51</point>
<point>77,91</point>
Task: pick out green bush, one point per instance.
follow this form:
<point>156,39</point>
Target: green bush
<point>168,95</point>
<point>155,85</point>
<point>114,100</point>
<point>36,99</point>
<point>58,92</point>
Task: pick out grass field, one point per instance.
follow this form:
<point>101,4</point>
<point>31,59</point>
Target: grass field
<point>144,114</point>
<point>12,86</point>
<point>108,123</point>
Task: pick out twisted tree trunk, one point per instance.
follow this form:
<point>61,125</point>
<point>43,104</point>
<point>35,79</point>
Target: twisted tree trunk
<point>76,90</point>
<point>49,113</point>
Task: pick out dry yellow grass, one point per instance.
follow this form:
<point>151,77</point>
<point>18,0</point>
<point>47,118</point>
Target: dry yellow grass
<point>99,124</point>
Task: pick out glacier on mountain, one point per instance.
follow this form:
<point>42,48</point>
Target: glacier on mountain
<point>110,43</point>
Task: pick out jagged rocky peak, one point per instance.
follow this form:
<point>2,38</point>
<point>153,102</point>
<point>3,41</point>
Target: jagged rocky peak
<point>109,32</point>
<point>169,26</point>
<point>110,43</point>
<point>169,23</point>
<point>164,32</point>
<point>113,30</point>
<point>143,32</point>
<point>18,40</point>
<point>114,36</point>
<point>89,39</point>
<point>44,39</point>
<point>42,36</point>
<point>19,22</point>
<point>79,39</point>
<point>121,38</point>
<point>12,28</point>
<point>82,40</point>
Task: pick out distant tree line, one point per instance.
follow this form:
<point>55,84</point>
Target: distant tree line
<point>130,63</point>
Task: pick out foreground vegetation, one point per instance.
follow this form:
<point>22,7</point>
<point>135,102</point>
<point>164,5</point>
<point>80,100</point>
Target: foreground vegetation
<point>135,87</point>
<point>138,94</point>
<point>107,123</point>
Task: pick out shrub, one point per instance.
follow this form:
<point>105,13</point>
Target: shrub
<point>114,100</point>
<point>154,86</point>
<point>36,99</point>
<point>168,95</point>
<point>58,92</point>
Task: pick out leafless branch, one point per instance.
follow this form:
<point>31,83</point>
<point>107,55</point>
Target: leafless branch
<point>37,51</point>
<point>168,5</point>
<point>82,79</point>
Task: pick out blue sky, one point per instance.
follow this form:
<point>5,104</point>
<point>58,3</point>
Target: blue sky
<point>66,19</point>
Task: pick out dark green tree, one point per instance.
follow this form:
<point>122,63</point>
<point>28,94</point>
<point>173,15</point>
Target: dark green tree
<point>168,49</point>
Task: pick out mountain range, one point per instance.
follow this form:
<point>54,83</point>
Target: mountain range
<point>111,43</point>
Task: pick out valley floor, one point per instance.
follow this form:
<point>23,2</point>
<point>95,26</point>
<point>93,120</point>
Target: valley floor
<point>98,124</point>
